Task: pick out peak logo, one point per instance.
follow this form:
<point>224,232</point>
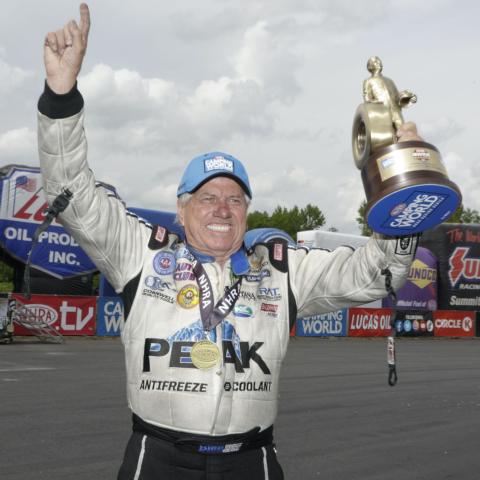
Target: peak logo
<point>421,274</point>
<point>462,266</point>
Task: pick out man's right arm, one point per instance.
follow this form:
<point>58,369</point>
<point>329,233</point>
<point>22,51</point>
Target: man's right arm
<point>113,239</point>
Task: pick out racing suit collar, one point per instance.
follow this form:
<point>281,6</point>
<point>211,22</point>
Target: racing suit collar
<point>238,261</point>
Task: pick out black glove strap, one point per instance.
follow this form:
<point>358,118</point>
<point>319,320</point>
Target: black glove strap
<point>58,206</point>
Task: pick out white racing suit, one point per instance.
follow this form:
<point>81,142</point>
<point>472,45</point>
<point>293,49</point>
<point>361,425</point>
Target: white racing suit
<point>152,269</point>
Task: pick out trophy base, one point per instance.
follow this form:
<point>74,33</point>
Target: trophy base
<point>408,190</point>
<point>412,209</point>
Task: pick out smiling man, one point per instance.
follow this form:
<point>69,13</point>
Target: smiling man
<point>215,215</point>
<point>208,314</point>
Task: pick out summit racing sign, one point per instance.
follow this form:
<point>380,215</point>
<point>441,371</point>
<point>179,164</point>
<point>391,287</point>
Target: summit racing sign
<point>22,210</point>
<point>462,266</point>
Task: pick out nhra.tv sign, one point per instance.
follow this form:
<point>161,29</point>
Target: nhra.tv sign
<point>68,315</point>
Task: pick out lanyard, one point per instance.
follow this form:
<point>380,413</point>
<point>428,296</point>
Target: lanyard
<point>391,357</point>
<point>212,315</point>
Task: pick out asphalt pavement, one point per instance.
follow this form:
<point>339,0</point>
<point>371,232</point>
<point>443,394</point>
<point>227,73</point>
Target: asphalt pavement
<point>63,412</point>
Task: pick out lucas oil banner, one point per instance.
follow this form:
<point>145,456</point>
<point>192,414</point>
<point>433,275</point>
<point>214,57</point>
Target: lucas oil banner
<point>22,208</point>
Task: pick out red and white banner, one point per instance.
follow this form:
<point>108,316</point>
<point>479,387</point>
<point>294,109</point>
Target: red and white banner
<point>454,323</point>
<point>69,315</point>
<point>369,322</point>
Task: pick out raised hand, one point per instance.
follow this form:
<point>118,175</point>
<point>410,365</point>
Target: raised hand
<point>408,131</point>
<point>64,50</point>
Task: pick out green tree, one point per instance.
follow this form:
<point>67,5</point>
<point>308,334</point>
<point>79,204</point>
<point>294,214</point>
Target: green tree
<point>289,220</point>
<point>6,278</point>
<point>461,215</point>
<point>465,215</point>
<point>365,230</point>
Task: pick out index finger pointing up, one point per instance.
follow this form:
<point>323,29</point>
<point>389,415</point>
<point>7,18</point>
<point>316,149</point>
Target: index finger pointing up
<point>84,21</point>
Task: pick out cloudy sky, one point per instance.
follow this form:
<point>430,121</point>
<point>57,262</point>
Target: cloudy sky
<point>273,82</point>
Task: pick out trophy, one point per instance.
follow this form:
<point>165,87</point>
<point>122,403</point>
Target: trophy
<point>406,183</point>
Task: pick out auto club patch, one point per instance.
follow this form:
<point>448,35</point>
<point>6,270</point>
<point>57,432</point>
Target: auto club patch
<point>188,296</point>
<point>164,263</point>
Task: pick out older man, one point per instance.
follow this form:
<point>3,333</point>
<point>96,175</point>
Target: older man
<point>208,316</point>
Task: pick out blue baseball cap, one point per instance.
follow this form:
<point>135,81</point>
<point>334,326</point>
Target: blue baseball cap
<point>210,165</point>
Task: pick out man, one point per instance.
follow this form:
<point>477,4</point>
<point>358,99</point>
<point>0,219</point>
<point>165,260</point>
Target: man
<point>380,89</point>
<point>208,317</point>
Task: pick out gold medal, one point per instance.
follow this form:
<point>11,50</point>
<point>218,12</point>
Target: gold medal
<point>205,354</point>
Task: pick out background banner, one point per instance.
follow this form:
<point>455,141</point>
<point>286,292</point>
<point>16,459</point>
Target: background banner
<point>413,323</point>
<point>450,323</point>
<point>457,247</point>
<point>22,207</point>
<point>69,315</point>
<point>420,290</point>
<point>369,322</point>
<point>333,324</point>
<point>110,319</point>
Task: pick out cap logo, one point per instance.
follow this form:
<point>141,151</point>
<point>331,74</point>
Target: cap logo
<point>218,163</point>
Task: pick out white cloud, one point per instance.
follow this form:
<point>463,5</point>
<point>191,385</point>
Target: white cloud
<point>19,146</point>
<point>11,78</point>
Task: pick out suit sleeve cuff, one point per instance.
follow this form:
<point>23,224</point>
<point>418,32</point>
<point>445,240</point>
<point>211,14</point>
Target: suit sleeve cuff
<point>55,106</point>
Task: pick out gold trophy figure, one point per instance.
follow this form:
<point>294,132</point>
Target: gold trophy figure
<point>406,183</point>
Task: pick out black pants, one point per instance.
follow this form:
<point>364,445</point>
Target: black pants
<point>150,458</point>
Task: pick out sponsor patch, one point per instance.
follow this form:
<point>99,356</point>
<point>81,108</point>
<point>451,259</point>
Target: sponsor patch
<point>183,272</point>
<point>268,293</point>
<point>188,296</point>
<point>404,245</point>
<point>218,163</point>
<point>164,263</point>
<point>184,252</point>
<point>160,234</point>
<point>269,307</point>
<point>278,252</point>
<point>156,283</point>
<point>258,276</point>
<point>148,292</point>
<point>243,311</point>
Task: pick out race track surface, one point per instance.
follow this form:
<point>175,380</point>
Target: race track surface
<point>63,413</point>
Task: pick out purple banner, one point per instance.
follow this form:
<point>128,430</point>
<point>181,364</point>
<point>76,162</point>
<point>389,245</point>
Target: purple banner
<point>420,289</point>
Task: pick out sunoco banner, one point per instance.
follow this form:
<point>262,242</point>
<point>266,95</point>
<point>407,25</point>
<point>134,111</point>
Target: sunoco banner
<point>22,208</point>
<point>457,247</point>
<point>420,290</point>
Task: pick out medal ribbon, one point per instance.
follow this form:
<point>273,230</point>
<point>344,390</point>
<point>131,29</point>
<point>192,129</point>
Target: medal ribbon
<point>212,315</point>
